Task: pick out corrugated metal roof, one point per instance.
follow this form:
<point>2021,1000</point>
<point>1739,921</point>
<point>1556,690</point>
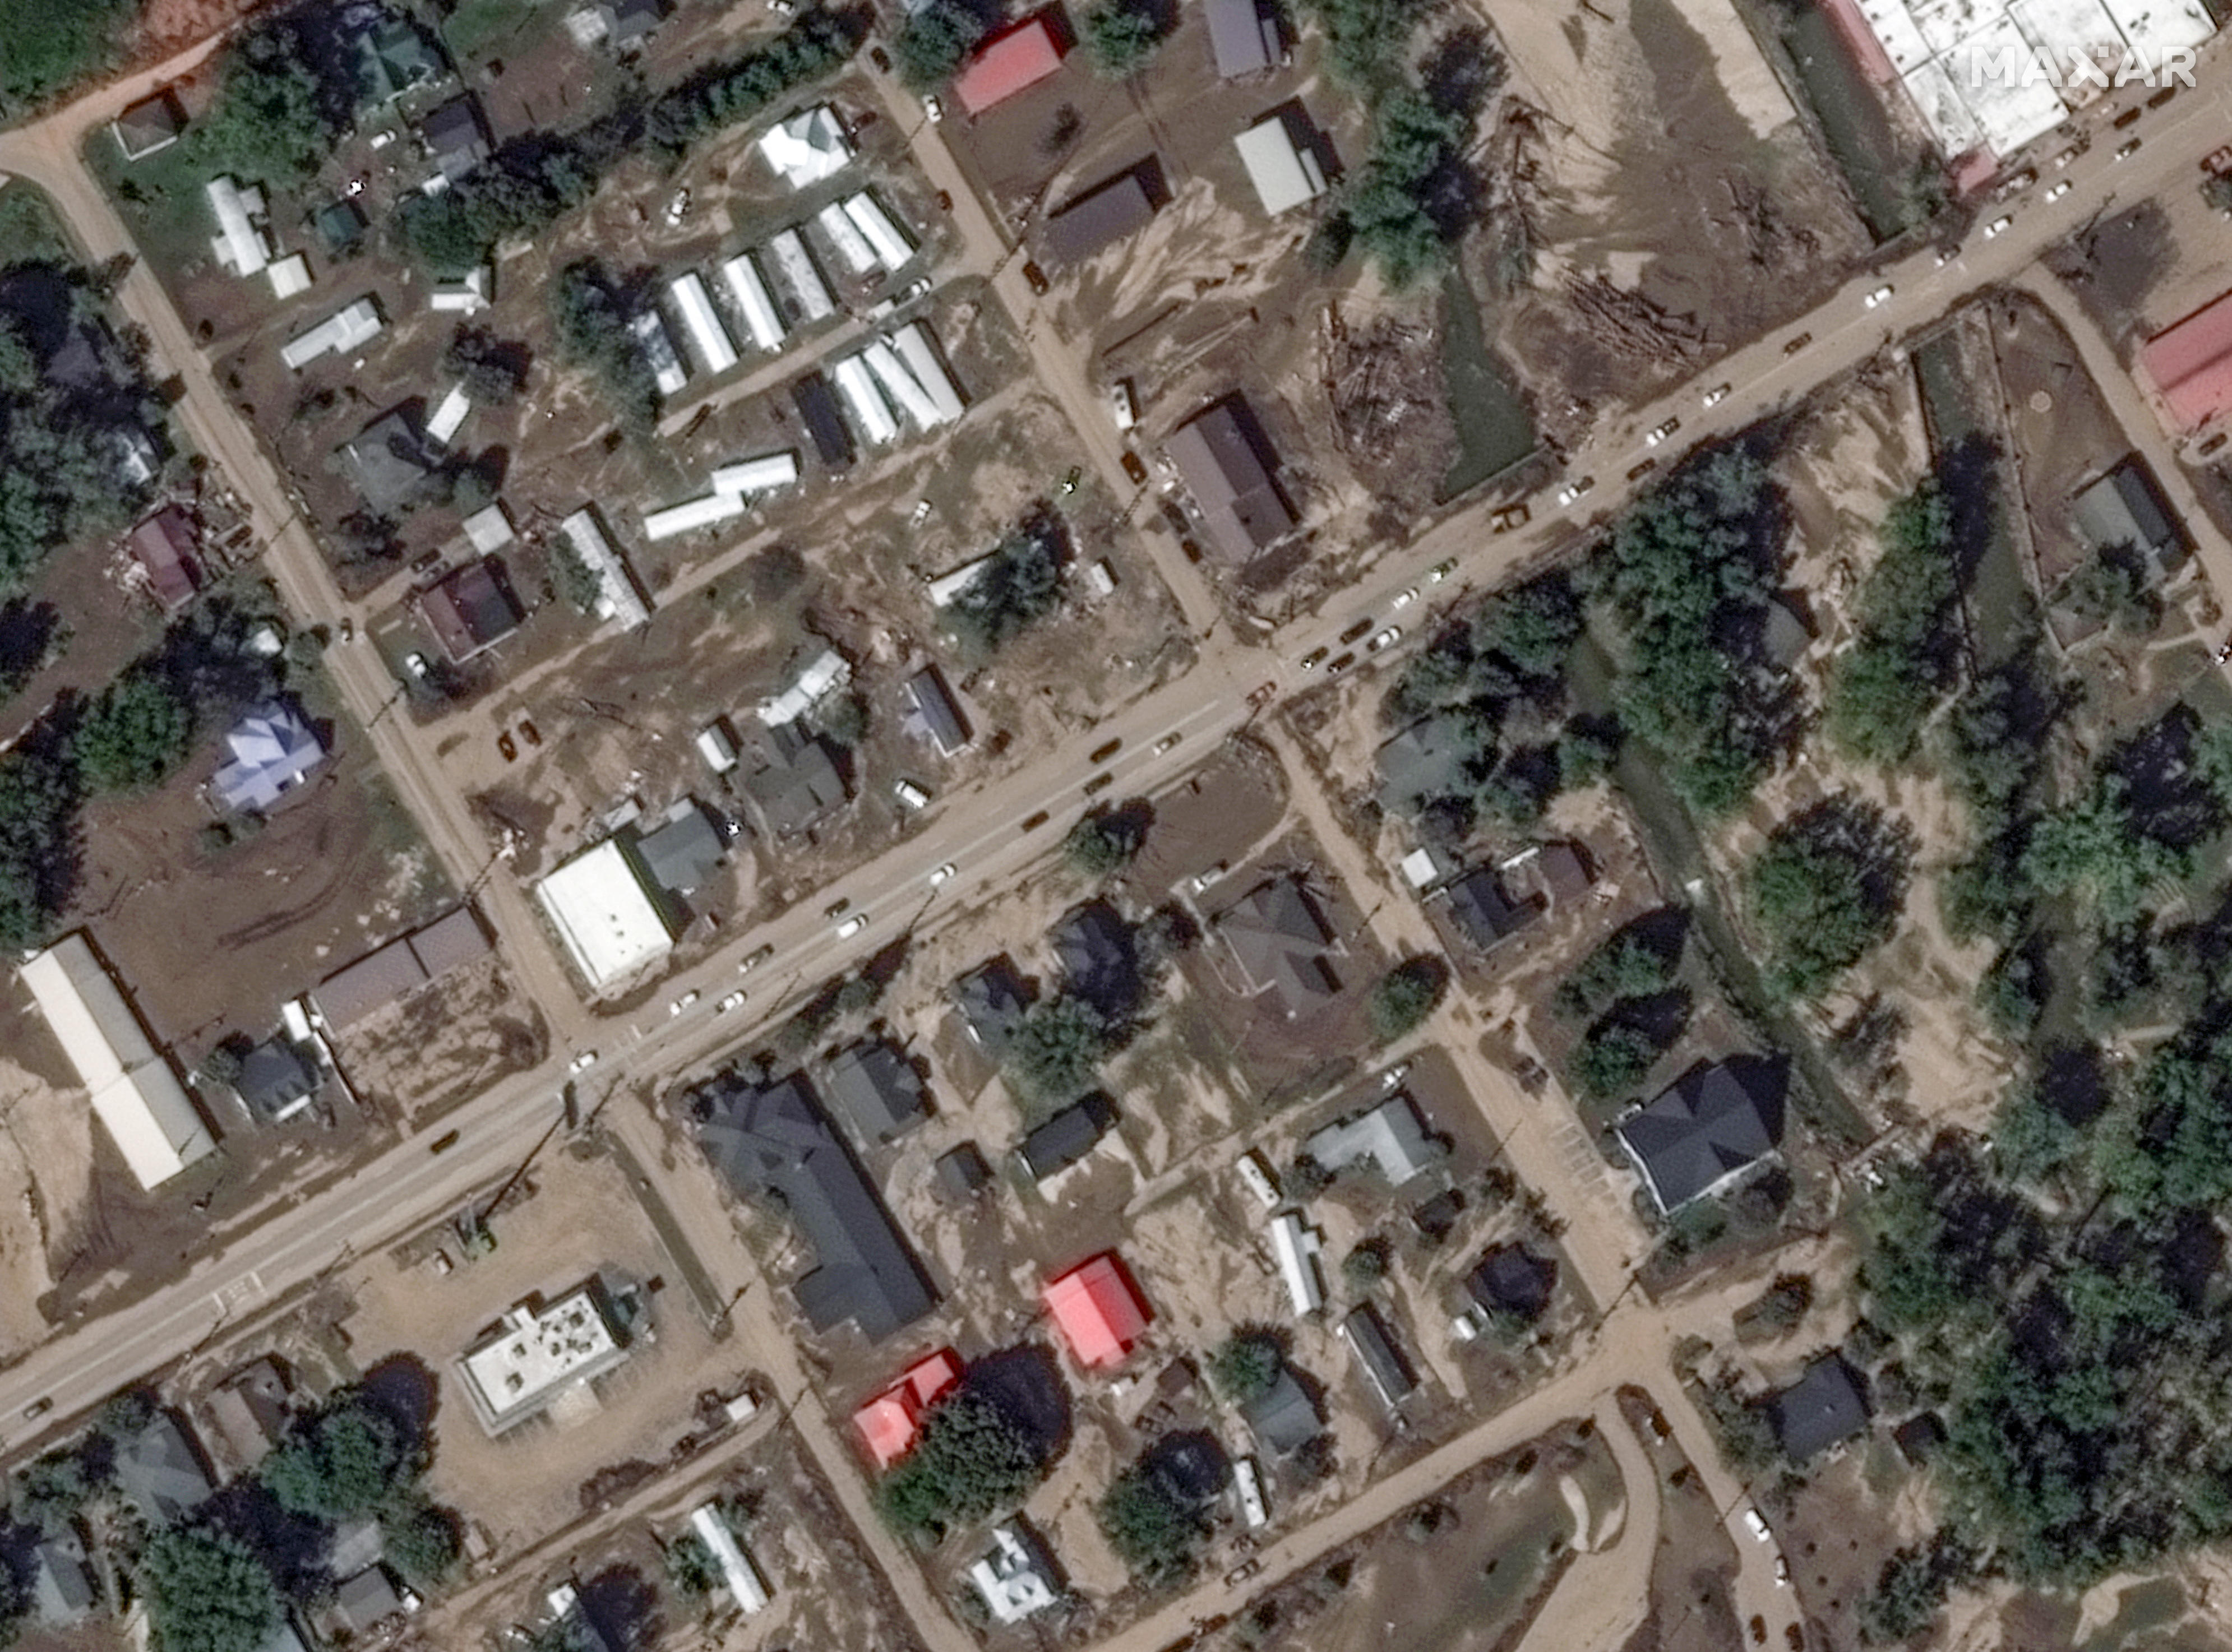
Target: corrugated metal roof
<point>2190,362</point>
<point>1005,64</point>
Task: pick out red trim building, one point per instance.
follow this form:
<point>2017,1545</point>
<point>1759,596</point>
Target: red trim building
<point>1011,61</point>
<point>890,1423</point>
<point>1098,1311</point>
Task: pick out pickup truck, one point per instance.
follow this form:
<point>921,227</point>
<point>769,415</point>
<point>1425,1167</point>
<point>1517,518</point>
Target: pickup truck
<point>2218,162</point>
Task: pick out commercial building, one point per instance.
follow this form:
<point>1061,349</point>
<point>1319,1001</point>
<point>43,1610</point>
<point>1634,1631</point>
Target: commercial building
<point>1282,163</point>
<point>617,595</point>
<point>1104,215</point>
<point>1218,457</point>
<point>1098,1311</point>
<point>745,1585</point>
<point>348,328</point>
<point>137,1097</point>
<point>270,751</point>
<point>889,1423</point>
<point>747,291</point>
<point>1706,1129</point>
<point>2190,364</point>
<point>708,340</point>
<point>1242,38</point>
<point>1390,1137</point>
<point>610,923</point>
<point>807,147</point>
<point>1012,60</point>
<point>536,1353</point>
<point>469,610</point>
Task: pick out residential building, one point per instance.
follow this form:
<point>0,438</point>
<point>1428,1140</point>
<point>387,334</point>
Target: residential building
<point>918,348</point>
<point>1279,152</point>
<point>890,241</point>
<point>134,1093</point>
<point>392,56</point>
<point>1297,1246</point>
<point>1706,1129</point>
<point>657,345</point>
<point>269,752</point>
<point>1425,761</point>
<point>538,1352</point>
<point>1098,1311</point>
<point>1013,59</point>
<point>611,924</point>
<point>960,1171</point>
<point>889,1423</point>
<point>748,290</point>
<point>470,609</point>
<point>871,416</point>
<point>819,678</point>
<point>700,323</point>
<point>1512,1282</point>
<point>340,225</point>
<point>852,249</point>
<point>350,327</point>
<point>629,23</point>
<point>747,1588</point>
<point>775,1139</point>
<point>1377,1356</point>
<point>685,851</point>
<point>242,243</point>
<point>1283,1418</point>
<point>929,712</point>
<point>1484,913</point>
<point>992,1001</point>
<point>1281,944</point>
<point>1826,1406</point>
<point>809,290</point>
<point>1067,1136</point>
<point>2123,511</point>
<point>877,1089</point>
<point>392,463</point>
<point>790,781</point>
<point>1105,214</point>
<point>168,552</point>
<point>807,147</point>
<point>2190,364</point>
<point>1243,38</point>
<point>617,595</point>
<point>454,137</point>
<point>1390,1137</point>
<point>363,1602</point>
<point>159,1469</point>
<point>1013,1579</point>
<point>153,124</point>
<point>1100,964</point>
<point>488,529</point>
<point>1223,467</point>
<point>61,1586</point>
<point>250,1409</point>
<point>276,1082</point>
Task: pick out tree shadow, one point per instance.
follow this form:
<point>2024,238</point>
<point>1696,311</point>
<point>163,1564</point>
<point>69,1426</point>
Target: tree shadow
<point>1462,70</point>
<point>27,631</point>
<point>624,1606</point>
<point>1025,1384</point>
<point>403,1388</point>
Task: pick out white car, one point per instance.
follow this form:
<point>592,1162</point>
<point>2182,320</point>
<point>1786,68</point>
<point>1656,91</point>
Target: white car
<point>1405,599</point>
<point>2059,191</point>
<point>679,208</point>
<point>1386,638</point>
<point>921,514</point>
<point>1573,490</point>
<point>1662,432</point>
<point>1716,395</point>
<point>732,1001</point>
<point>851,926</point>
<point>683,1002</point>
<point>1881,295</point>
<point>416,664</point>
<point>1997,227</point>
<point>1202,880</point>
<point>582,1062</point>
<point>943,874</point>
<point>1442,571</point>
<point>909,795</point>
<point>1755,1522</point>
<point>1781,1571</point>
<point>932,109</point>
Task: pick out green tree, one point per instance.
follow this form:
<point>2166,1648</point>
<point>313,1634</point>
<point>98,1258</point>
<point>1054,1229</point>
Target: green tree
<point>48,46</point>
<point>1634,963</point>
<point>1366,40</point>
<point>1121,36</point>
<point>1365,1267</point>
<point>1884,685</point>
<point>38,843</point>
<point>135,734</point>
<point>271,122</point>
<point>1826,886</point>
<point>932,41</point>
<point>1020,585</point>
<point>345,1461</point>
<point>1055,1053</point>
<point>1245,1365</point>
<point>574,580</point>
<point>1390,203</point>
<point>1911,1590</point>
<point>51,1489</point>
<point>1406,995</point>
<point>2094,849</point>
<point>593,317</point>
<point>422,1542</point>
<point>1156,1533</point>
<point>1612,1059</point>
<point>971,1461</point>
<point>492,370</point>
<point>206,1591</point>
<point>1103,842</point>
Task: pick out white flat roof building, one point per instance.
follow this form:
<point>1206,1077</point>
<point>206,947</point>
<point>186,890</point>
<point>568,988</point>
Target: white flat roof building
<point>706,511</point>
<point>746,1587</point>
<point>1247,1481</point>
<point>798,274</point>
<point>1010,1579</point>
<point>339,334</point>
<point>879,229</point>
<point>536,1354</point>
<point>899,384</point>
<point>290,275</point>
<point>808,148</point>
<point>1285,174</point>
<point>747,289</point>
<point>466,296</point>
<point>617,597</point>
<point>1297,1247</point>
<point>852,249</point>
<point>828,669</point>
<point>658,345</point>
<point>707,336</point>
<point>920,350</point>
<point>762,475</point>
<point>946,587</point>
<point>443,422</point>
<point>865,402</point>
<point>488,530</point>
<point>137,1097</point>
<point>609,923</point>
<point>243,245</point>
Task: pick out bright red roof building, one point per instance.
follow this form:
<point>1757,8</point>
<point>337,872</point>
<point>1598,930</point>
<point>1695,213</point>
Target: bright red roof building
<point>1005,64</point>
<point>2190,363</point>
<point>1098,1311</point>
<point>889,1423</point>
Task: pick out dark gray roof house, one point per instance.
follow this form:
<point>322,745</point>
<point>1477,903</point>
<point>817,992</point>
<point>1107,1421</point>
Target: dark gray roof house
<point>470,609</point>
<point>152,123</point>
<point>960,1171</point>
<point>1280,940</point>
<point>391,462</point>
<point>777,1141</point>
<point>160,1472</point>
<point>793,783</point>
<point>1101,216</point>
<point>1484,913</point>
<point>1426,760</point>
<point>931,714</point>
<point>1217,454</point>
<point>1067,1137</point>
<point>1709,1125</point>
<point>1377,1356</point>
<point>629,22</point>
<point>992,1001</point>
<point>1244,40</point>
<point>366,1601</point>
<point>1825,1407</point>
<point>683,852</point>
<point>275,1081</point>
<point>877,1089</point>
<point>1094,945</point>
<point>1283,1418</point>
<point>454,137</point>
<point>2124,509</point>
<point>61,1588</point>
<point>250,1409</point>
<point>1511,1279</point>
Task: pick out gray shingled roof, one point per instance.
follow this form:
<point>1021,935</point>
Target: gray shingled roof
<point>1390,1137</point>
<point>160,1472</point>
<point>876,1088</point>
<point>1707,1126</point>
<point>1824,1408</point>
<point>1067,1136</point>
<point>1279,939</point>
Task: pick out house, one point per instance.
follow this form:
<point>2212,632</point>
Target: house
<point>1098,1311</point>
<point>1920,1437</point>
<point>61,1586</point>
<point>1242,38</point>
<point>391,58</point>
<point>747,1588</point>
<point>275,1081</point>
<point>1484,913</point>
<point>928,712</point>
<point>270,751</point>
<point>454,137</point>
<point>250,1409</point>
<point>617,595</point>
<point>1014,1578</point>
<point>1390,1137</point>
<point>807,147</point>
<point>151,124</point>
<point>166,548</point>
<point>392,463</point>
<point>488,529</point>
<point>1296,1245</point>
<point>992,1001</point>
<point>960,1171</point>
<point>685,851</point>
<point>538,1352</point>
<point>1705,1130</point>
<point>1067,1137</point>
<point>133,1092</point>
<point>1280,942</point>
<point>774,1139</point>
<point>1426,761</point>
<point>340,225</point>
<point>1283,1417</point>
<point>877,1089</point>
<point>1007,63</point>
<point>159,1471</point>
<point>889,1423</point>
<point>1223,463</point>
<point>1826,1406</point>
<point>628,24</point>
<point>1098,963</point>
<point>242,243</point>
<point>1513,1282</point>
<point>1564,871</point>
<point>2123,511</point>
<point>354,325</point>
<point>611,924</point>
<point>1377,1356</point>
<point>791,781</point>
<point>1279,152</point>
<point>363,1602</point>
<point>470,609</point>
<point>1102,216</point>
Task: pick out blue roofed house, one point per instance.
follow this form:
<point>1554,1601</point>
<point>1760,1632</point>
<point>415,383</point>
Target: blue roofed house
<point>271,750</point>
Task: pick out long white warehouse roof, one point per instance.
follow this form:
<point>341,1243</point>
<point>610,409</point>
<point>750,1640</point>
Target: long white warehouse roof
<point>241,247</point>
<point>707,336</point>
<point>920,350</point>
<point>745,1587</point>
<point>852,247</point>
<point>804,280</point>
<point>863,401</point>
<point>139,1100</point>
<point>749,288</point>
<point>691,514</point>
<point>1297,1247</point>
<point>899,384</point>
<point>617,597</point>
<point>880,229</point>
<point>603,913</point>
<point>340,333</point>
<point>762,475</point>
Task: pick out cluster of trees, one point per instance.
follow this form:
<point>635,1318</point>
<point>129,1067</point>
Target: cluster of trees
<point>1018,586</point>
<point>533,180</point>
<point>493,370</point>
<point>592,310</point>
<point>1246,1364</point>
<point>51,48</point>
<point>275,120</point>
<point>1413,196</point>
<point>1055,1056</point>
<point>1406,995</point>
<point>1155,1523</point>
<point>1628,993</point>
<point>1889,680</point>
<point>936,38</point>
<point>1827,885</point>
<point>1688,571</point>
<point>1911,1588</point>
<point>1367,41</point>
<point>135,734</point>
<point>207,1591</point>
<point>972,1460</point>
<point>1121,36</point>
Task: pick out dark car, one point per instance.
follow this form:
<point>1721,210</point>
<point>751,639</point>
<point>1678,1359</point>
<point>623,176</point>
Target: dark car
<point>881,59</point>
<point>1342,663</point>
<point>1797,344</point>
<point>1035,276</point>
<point>530,734</point>
<point>1134,466</point>
<point>1356,630</point>
<point>1031,823</point>
<point>1102,753</point>
<point>1099,783</point>
<point>508,746</point>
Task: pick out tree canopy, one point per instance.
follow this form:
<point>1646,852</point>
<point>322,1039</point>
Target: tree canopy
<point>1407,995</point>
<point>1121,36</point>
<point>135,734</point>
<point>206,1591</point>
<point>348,1459</point>
<point>48,46</point>
<point>972,1460</point>
<point>272,122</point>
<point>1403,204</point>
<point>1103,842</point>
<point>932,41</point>
<point>1246,1364</point>
<point>1827,886</point>
<point>1155,1532</point>
<point>1020,585</point>
<point>1886,684</point>
<point>1054,1054</point>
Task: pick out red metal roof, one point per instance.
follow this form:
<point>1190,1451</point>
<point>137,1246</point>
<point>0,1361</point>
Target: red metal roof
<point>889,1423</point>
<point>165,546</point>
<point>1098,1311</point>
<point>2190,363</point>
<point>1005,64</point>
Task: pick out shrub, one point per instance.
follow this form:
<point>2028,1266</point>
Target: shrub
<point>1103,842</point>
<point>1154,1531</point>
<point>136,734</point>
<point>932,42</point>
<point>1245,1365</point>
<point>1121,36</point>
<point>1406,995</point>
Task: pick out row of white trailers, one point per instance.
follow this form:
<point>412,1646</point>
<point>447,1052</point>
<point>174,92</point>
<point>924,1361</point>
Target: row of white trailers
<point>867,240</point>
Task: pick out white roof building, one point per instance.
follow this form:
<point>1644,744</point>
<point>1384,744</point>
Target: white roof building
<point>343,331</point>
<point>1297,1247</point>
<point>137,1097</point>
<point>290,275</point>
<point>808,148</point>
<point>443,422</point>
<point>879,229</point>
<point>827,671</point>
<point>1010,1578</point>
<point>746,1587</point>
<point>707,510</point>
<point>617,597</point>
<point>488,529</point>
<point>708,337</point>
<point>1285,174</point>
<point>920,350</point>
<point>267,752</point>
<point>852,247</point>
<point>747,289</point>
<point>242,242</point>
<point>608,921</point>
<point>799,275</point>
<point>658,345</point>
<point>467,296</point>
<point>946,587</point>
<point>899,384</point>
<point>864,402</point>
<point>536,1354</point>
<point>762,475</point>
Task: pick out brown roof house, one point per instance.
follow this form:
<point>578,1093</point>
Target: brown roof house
<point>1222,457</point>
<point>149,124</point>
<point>470,611</point>
<point>165,546</point>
